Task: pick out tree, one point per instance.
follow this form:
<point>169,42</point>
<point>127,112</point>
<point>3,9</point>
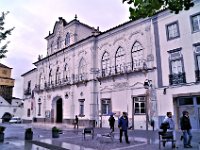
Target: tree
<point>147,8</point>
<point>3,35</point>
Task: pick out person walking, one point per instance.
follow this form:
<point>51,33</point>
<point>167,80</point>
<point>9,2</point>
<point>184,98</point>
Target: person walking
<point>112,123</point>
<point>168,119</point>
<point>76,122</point>
<point>186,129</point>
<point>123,126</point>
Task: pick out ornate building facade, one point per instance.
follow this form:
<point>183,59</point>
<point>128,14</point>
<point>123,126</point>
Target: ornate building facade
<point>93,74</point>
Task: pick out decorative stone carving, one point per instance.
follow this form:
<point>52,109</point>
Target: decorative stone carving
<point>120,85</point>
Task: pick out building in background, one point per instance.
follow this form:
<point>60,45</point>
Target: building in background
<point>178,64</point>
<point>134,67</point>
<point>9,105</point>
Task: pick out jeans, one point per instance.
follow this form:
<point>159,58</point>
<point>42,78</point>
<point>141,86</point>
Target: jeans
<point>125,134</point>
<point>186,139</point>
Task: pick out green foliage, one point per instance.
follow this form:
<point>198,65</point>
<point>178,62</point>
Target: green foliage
<point>55,129</point>
<point>147,8</point>
<point>3,35</point>
<point>2,129</point>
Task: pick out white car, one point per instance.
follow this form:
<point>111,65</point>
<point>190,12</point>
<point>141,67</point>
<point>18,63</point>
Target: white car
<point>15,120</point>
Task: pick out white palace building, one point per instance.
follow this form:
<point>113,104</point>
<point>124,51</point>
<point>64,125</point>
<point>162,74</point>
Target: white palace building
<point>145,67</point>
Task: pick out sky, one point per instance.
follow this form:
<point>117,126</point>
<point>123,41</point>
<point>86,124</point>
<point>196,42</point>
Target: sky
<point>33,19</point>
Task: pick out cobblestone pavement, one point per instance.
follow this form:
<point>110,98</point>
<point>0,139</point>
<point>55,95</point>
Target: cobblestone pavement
<point>73,139</point>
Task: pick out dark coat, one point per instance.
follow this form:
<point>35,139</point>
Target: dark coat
<point>185,123</point>
<point>111,121</point>
<point>123,123</point>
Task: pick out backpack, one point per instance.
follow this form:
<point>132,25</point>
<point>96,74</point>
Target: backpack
<point>164,126</point>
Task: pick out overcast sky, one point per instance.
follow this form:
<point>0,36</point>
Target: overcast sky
<point>33,19</point>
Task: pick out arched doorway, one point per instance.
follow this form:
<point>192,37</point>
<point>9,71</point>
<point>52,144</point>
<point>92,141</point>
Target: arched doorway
<point>6,117</point>
<point>59,111</point>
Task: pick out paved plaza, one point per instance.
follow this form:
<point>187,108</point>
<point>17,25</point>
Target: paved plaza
<point>71,139</point>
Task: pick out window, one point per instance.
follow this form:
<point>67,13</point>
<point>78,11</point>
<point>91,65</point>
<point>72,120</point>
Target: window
<point>137,56</point>
<point>39,107</point>
<point>195,23</point>
<point>57,76</point>
<point>81,107</point>
<point>29,88</point>
<point>105,64</point>
<point>67,39</point>
<point>50,77</point>
<point>139,105</point>
<point>66,73</point>
<point>186,101</point>
<point>40,80</point>
<point>105,106</point>
<point>82,70</point>
<point>172,30</point>
<point>28,112</point>
<point>59,43</point>
<point>119,60</point>
<point>197,60</point>
<point>177,74</point>
<point>198,100</point>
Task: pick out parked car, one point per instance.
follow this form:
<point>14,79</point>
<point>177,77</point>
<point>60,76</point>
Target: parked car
<point>15,120</point>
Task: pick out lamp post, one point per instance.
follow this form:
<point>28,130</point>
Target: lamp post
<point>147,86</point>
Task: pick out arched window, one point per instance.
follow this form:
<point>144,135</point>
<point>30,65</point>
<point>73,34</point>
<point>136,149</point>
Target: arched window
<point>82,69</point>
<point>59,43</point>
<point>57,76</point>
<point>50,77</point>
<point>66,73</point>
<point>105,64</point>
<point>67,39</point>
<point>119,60</point>
<point>40,80</point>
<point>137,56</point>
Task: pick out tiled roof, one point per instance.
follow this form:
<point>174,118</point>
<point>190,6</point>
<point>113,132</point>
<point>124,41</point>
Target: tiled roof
<point>4,66</point>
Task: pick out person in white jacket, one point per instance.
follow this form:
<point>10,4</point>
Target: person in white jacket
<point>169,119</point>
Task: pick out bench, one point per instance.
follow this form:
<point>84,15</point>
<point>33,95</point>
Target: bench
<point>89,131</point>
<point>166,137</point>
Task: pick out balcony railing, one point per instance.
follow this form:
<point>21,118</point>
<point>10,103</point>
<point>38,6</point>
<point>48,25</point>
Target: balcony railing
<point>135,66</point>
<point>177,78</point>
<point>197,75</point>
<point>80,78</point>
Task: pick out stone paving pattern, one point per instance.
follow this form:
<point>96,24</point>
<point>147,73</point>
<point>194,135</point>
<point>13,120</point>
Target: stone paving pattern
<point>73,139</point>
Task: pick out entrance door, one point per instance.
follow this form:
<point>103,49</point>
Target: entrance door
<point>59,111</point>
<point>192,114</point>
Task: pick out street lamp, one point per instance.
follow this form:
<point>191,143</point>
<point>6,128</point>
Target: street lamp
<point>147,85</point>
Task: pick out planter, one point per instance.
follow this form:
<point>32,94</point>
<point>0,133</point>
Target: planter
<point>1,137</point>
<point>55,134</point>
<point>28,136</point>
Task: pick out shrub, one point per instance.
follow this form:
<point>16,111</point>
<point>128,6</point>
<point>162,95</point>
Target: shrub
<point>55,129</point>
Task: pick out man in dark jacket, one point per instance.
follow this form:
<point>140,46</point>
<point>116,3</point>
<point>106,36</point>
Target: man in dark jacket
<point>123,126</point>
<point>112,123</point>
<point>186,129</point>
